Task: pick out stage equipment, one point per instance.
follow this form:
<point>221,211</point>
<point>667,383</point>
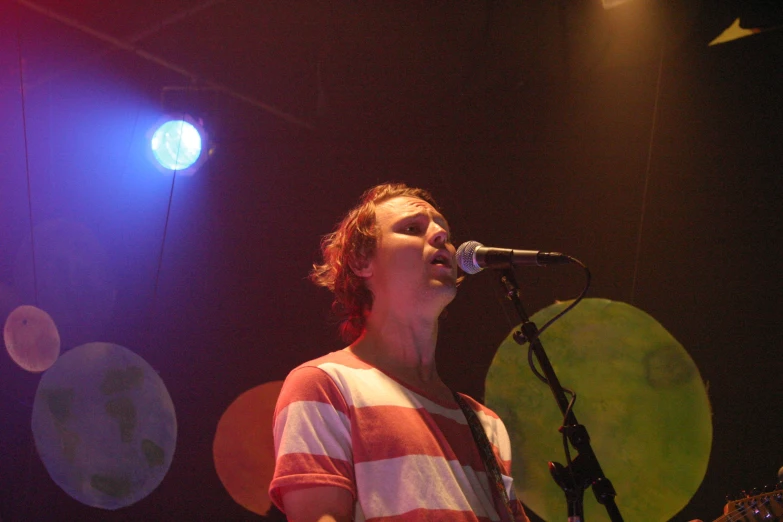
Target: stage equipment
<point>179,144</point>
<point>608,4</point>
<point>473,257</point>
<point>757,506</point>
<point>584,470</point>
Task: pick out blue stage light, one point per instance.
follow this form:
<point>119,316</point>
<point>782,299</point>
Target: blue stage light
<point>177,144</point>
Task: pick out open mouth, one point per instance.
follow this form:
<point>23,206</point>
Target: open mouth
<point>442,259</point>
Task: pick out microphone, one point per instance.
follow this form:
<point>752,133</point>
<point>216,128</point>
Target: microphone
<point>473,257</point>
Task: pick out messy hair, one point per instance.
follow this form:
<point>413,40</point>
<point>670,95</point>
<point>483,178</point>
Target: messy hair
<point>352,245</point>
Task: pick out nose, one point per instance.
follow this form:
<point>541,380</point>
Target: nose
<point>439,236</point>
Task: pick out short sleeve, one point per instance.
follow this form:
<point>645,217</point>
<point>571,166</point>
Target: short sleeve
<point>312,433</point>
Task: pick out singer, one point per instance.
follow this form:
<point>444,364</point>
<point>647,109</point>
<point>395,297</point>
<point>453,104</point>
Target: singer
<point>371,432</point>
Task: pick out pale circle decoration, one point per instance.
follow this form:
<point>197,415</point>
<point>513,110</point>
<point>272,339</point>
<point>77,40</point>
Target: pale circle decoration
<point>639,394</point>
<point>31,338</point>
<point>244,449</point>
<point>104,425</point>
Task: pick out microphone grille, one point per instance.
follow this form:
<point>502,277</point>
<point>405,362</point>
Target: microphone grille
<point>466,257</point>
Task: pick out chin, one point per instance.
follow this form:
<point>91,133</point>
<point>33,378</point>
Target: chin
<point>448,288</point>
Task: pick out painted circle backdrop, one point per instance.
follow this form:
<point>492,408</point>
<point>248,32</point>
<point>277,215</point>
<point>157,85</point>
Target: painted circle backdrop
<point>104,425</point>
<point>244,449</point>
<point>639,394</point>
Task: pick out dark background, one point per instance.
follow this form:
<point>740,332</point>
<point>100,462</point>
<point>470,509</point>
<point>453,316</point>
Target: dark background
<point>617,136</point>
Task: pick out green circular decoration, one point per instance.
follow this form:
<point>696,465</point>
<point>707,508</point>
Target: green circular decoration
<point>104,425</point>
<point>639,394</point>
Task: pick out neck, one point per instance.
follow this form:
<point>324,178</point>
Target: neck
<point>402,346</point>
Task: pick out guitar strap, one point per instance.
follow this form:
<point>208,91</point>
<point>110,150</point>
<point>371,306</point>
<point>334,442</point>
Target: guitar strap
<point>488,456</point>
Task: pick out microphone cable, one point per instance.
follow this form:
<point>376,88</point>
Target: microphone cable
<point>532,363</point>
<point>588,279</point>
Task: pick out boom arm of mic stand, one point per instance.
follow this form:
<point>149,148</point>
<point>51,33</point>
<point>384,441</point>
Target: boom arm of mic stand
<point>584,470</point>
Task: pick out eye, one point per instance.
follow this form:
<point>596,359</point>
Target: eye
<point>412,228</point>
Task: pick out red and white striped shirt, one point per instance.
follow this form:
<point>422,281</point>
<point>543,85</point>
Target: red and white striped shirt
<point>404,456</point>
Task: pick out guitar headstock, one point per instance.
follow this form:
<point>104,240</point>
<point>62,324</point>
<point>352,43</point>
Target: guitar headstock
<point>756,506</point>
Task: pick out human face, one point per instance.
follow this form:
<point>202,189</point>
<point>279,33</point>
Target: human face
<point>414,258</point>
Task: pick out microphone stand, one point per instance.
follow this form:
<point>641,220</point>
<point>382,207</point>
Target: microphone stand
<point>584,470</point>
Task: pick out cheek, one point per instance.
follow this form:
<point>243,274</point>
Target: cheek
<point>402,259</point>
<point>404,262</point>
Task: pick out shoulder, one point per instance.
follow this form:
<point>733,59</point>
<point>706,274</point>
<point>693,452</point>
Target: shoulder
<point>321,380</point>
<point>479,408</point>
<point>493,427</point>
<point>335,369</point>
<point>343,358</point>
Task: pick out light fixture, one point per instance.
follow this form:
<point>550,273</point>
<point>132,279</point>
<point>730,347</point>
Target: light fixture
<point>179,144</point>
<point>608,4</point>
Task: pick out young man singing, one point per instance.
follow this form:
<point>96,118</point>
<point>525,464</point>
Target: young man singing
<point>371,432</point>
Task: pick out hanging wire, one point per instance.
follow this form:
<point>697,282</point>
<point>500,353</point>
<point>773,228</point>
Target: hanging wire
<point>31,451</point>
<point>26,158</point>
<point>165,231</point>
<point>168,215</point>
<point>647,179</point>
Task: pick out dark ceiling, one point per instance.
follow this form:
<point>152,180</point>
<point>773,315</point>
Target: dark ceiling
<point>617,136</point>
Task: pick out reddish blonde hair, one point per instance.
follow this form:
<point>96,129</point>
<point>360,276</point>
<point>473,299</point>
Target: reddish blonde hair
<point>352,244</point>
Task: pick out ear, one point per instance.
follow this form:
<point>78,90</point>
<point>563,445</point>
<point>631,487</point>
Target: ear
<point>362,268</point>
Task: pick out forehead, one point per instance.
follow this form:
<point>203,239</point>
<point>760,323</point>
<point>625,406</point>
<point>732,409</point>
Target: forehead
<point>402,206</point>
